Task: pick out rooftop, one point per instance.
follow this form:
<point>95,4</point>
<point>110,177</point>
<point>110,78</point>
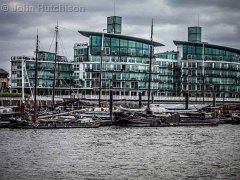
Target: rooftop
<point>2,71</point>
<point>208,46</point>
<point>146,41</point>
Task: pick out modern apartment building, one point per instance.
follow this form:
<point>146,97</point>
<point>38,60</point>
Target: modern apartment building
<point>199,68</point>
<point>207,68</point>
<point>23,70</point>
<point>125,64</point>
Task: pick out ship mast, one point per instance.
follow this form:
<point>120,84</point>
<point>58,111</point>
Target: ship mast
<point>23,79</point>
<point>150,69</point>
<point>55,64</point>
<point>36,82</point>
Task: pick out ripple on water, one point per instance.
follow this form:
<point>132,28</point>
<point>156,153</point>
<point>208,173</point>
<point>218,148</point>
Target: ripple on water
<point>121,153</point>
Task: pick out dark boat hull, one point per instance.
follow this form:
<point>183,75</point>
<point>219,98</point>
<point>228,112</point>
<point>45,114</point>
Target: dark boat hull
<point>103,117</point>
<point>5,118</point>
<point>4,124</point>
<point>196,121</point>
<point>130,119</point>
<point>52,125</point>
<point>133,120</point>
<point>236,120</point>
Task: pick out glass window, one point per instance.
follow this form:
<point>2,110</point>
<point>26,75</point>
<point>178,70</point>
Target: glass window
<point>123,43</point>
<point>214,51</point>
<point>139,60</point>
<point>199,50</point>
<point>139,45</point>
<point>114,42</point>
<point>131,44</point>
<point>114,50</point>
<point>139,52</point>
<point>96,40</point>
<point>124,51</point>
<point>96,50</point>
<point>117,28</point>
<point>132,51</point>
<point>106,42</point>
<point>106,50</point>
<point>208,51</point>
<point>184,49</point>
<point>191,50</point>
<point>118,20</point>
<point>145,46</point>
<point>146,52</point>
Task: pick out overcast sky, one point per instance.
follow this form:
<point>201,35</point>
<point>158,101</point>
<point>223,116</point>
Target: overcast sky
<point>20,19</point>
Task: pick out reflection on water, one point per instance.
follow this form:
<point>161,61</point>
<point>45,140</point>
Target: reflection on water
<point>121,153</point>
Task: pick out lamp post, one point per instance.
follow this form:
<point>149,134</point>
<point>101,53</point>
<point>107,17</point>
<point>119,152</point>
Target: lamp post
<point>100,78</point>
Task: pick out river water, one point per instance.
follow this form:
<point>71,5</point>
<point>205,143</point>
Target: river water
<point>121,153</point>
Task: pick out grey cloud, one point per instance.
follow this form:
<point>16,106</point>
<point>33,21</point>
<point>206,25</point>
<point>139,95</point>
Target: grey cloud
<point>219,19</point>
<point>229,4</point>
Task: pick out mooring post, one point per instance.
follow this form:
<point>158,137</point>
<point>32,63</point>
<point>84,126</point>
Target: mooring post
<point>186,100</point>
<point>214,100</point>
<point>111,103</point>
<point>139,99</point>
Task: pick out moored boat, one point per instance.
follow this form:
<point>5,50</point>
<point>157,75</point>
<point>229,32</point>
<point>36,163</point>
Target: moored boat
<point>58,122</point>
<point>138,119</point>
<point>141,119</point>
<point>5,118</point>
<point>235,119</point>
<point>103,116</point>
<point>200,119</point>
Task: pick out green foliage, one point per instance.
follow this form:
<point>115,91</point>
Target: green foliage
<point>10,94</point>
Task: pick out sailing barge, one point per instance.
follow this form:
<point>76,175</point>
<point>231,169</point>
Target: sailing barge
<point>54,122</point>
<point>138,119</point>
<point>141,119</point>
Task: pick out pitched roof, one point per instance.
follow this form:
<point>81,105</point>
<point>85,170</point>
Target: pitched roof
<point>2,71</point>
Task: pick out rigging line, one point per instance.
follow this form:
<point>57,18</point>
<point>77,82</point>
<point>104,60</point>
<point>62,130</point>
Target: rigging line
<point>39,46</point>
<point>52,41</point>
<point>68,29</point>
<point>68,85</point>
<point>63,47</point>
<point>60,45</point>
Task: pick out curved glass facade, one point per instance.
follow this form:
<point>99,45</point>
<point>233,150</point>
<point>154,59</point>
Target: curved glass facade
<point>196,52</point>
<point>125,67</point>
<point>118,47</point>
<point>209,69</point>
<point>196,67</point>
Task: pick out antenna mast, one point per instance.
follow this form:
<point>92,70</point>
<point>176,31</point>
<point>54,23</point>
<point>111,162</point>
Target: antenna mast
<point>198,20</point>
<point>114,8</point>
